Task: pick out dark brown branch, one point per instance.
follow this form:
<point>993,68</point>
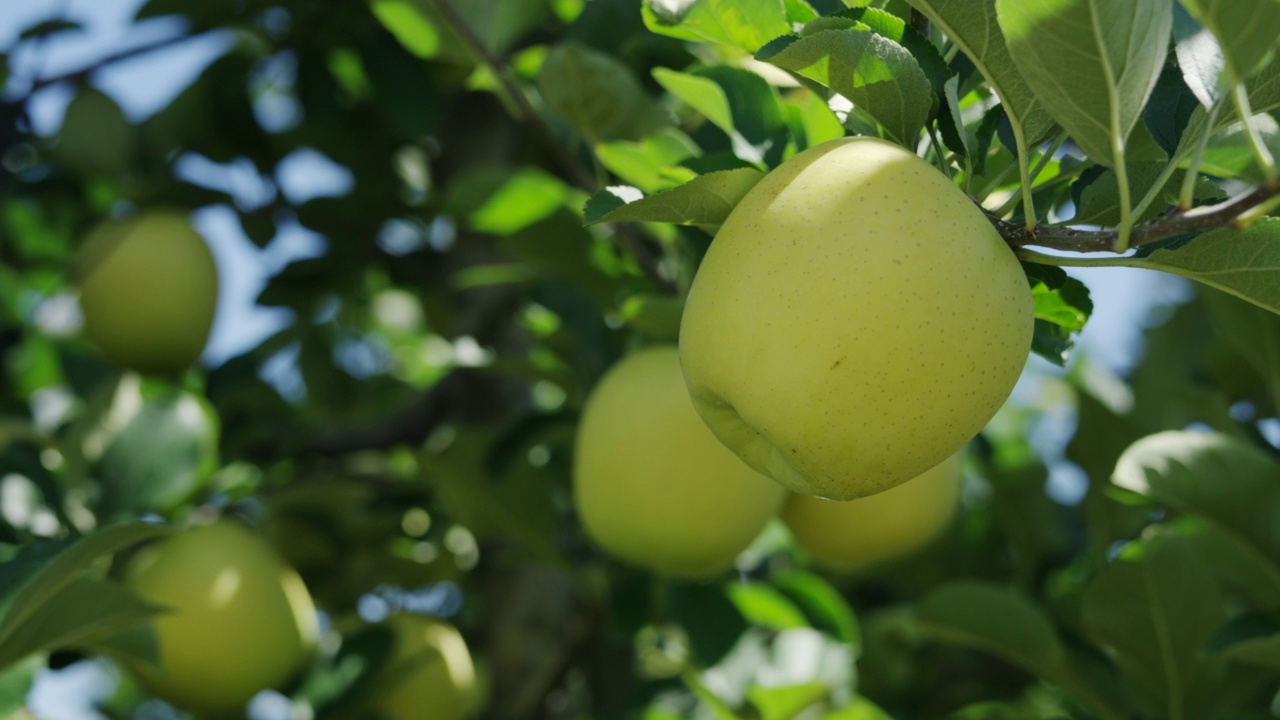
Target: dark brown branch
<point>643,253</point>
<point>1175,223</point>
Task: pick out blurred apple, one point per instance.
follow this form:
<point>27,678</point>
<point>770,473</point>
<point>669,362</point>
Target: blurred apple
<point>148,289</point>
<point>652,485</point>
<point>239,620</point>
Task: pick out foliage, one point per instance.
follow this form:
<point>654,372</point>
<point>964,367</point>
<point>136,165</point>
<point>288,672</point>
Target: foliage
<point>529,187</point>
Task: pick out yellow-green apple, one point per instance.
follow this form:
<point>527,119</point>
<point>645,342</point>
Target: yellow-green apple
<point>652,485</point>
<point>855,322</point>
<point>238,619</point>
<point>148,290</point>
<point>429,674</point>
<point>853,534</point>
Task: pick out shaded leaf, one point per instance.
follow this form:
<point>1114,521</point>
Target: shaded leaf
<point>1221,478</point>
<point>1260,652</point>
<point>972,25</point>
<point>1156,606</point>
<point>603,102</point>
<point>1245,29</point>
<point>876,74</point>
<point>1092,63</point>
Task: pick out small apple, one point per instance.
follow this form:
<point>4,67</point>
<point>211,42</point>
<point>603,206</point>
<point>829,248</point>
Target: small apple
<point>855,322</point>
<point>855,534</point>
<point>148,290</point>
<point>429,674</point>
<point>652,485</point>
<point>239,620</point>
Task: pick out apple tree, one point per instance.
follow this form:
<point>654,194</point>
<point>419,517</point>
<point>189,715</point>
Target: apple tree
<point>461,215</point>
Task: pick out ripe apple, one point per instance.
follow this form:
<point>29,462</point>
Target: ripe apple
<point>855,534</point>
<point>652,485</point>
<point>856,321</point>
<point>240,620</point>
<point>148,289</point>
<point>429,674</point>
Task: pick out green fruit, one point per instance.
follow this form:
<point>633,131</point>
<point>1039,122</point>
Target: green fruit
<point>652,485</point>
<point>240,621</point>
<point>855,534</point>
<point>856,321</point>
<point>429,674</point>
<point>148,289</point>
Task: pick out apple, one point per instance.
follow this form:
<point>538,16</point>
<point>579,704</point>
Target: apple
<point>148,290</point>
<point>652,485</point>
<point>239,620</point>
<point>855,534</point>
<point>855,322</point>
<point>429,674</point>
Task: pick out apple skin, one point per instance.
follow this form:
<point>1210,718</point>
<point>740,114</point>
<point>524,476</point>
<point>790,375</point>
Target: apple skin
<point>855,534</point>
<point>652,485</point>
<point>430,673</point>
<point>148,290</point>
<point>241,621</point>
<point>856,321</point>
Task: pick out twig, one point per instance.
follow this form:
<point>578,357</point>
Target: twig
<point>1175,223</point>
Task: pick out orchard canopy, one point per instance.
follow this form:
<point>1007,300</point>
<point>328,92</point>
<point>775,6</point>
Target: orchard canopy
<point>444,359</point>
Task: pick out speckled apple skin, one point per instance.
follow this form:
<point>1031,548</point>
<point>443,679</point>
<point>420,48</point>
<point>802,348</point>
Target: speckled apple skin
<point>855,322</point>
<point>857,534</point>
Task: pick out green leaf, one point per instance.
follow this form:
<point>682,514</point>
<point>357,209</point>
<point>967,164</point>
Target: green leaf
<point>1263,89</point>
<point>1156,606</point>
<point>603,102</point>
<point>1221,478</point>
<point>860,709</point>
<point>998,621</point>
<point>1245,29</point>
<point>528,196</point>
<point>786,703</point>
<point>1244,263</point>
<point>15,684</point>
<point>1253,331</point>
<point>163,455</point>
<point>60,605</point>
<point>1170,108</point>
<point>649,164</point>
<point>822,603</point>
<point>874,73</point>
<point>420,29</point>
<point>657,316</point>
<point>972,25</point>
<point>83,614</point>
<point>67,565</point>
<point>1062,306</point>
<point>742,24</point>
<point>738,101</point>
<point>921,48</point>
<point>762,605</point>
<point>986,617</point>
<point>1092,63</point>
<point>705,200</point>
<point>1261,652</point>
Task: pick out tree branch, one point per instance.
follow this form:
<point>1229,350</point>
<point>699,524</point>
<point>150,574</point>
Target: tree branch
<point>1175,223</point>
<point>121,56</point>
